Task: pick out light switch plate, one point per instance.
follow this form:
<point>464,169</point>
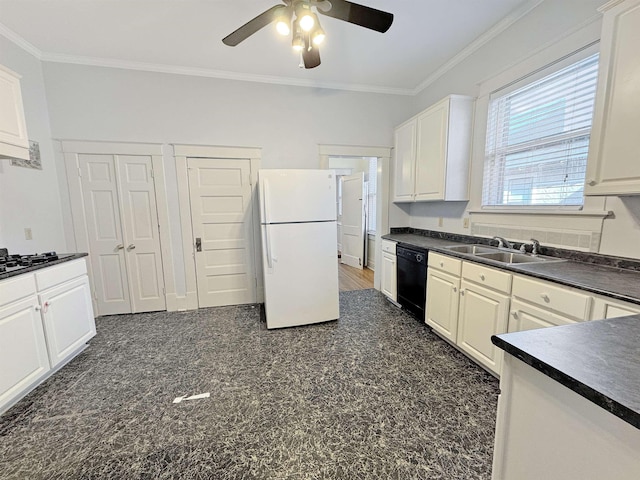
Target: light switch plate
<point>27,234</point>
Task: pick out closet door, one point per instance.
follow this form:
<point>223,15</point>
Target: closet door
<point>104,230</point>
<point>141,233</point>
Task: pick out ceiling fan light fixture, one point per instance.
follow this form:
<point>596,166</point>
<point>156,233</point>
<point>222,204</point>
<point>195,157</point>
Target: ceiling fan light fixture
<point>307,20</point>
<point>298,42</point>
<point>318,36</point>
<point>282,26</point>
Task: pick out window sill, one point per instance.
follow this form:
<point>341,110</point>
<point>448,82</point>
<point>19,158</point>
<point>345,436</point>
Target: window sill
<point>534,211</point>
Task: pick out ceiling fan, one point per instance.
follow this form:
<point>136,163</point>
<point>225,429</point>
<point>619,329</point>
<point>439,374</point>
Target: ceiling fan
<point>299,17</point>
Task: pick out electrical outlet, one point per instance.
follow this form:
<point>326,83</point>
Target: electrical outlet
<point>465,223</point>
<point>27,234</point>
<point>440,221</point>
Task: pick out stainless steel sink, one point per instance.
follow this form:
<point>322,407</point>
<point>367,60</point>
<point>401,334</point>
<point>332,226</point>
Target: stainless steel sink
<point>515,257</point>
<point>472,249</point>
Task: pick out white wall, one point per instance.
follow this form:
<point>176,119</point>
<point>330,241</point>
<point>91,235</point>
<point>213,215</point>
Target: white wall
<point>555,27</point>
<point>30,198</point>
<point>288,123</point>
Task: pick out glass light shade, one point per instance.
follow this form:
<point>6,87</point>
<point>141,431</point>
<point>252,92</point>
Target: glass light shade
<point>306,22</point>
<point>297,43</point>
<point>318,36</point>
<point>282,26</point>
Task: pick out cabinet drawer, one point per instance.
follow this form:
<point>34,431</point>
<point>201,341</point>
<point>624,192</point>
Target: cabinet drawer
<point>16,288</point>
<point>388,246</point>
<point>446,264</point>
<point>488,277</point>
<point>553,297</point>
<point>52,276</point>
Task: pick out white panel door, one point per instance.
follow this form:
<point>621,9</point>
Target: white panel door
<point>104,229</point>
<point>297,195</point>
<point>23,351</point>
<point>141,233</point>
<point>221,213</point>
<point>353,220</point>
<point>68,318</point>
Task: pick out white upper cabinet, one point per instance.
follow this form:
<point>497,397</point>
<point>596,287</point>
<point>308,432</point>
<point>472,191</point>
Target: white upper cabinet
<point>14,142</point>
<point>405,161</point>
<point>613,166</point>
<point>432,152</point>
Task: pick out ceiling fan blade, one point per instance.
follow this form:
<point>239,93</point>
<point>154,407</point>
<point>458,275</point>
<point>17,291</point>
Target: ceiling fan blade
<point>310,56</point>
<point>252,26</point>
<point>358,14</point>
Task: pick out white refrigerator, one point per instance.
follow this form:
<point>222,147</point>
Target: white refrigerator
<point>299,246</point>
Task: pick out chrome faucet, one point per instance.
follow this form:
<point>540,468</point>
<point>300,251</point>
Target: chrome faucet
<point>503,243</point>
<point>536,246</point>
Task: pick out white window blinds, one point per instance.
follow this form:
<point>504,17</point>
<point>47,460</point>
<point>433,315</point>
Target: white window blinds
<point>538,138</point>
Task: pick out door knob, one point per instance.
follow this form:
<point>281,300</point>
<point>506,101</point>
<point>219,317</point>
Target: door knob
<point>119,246</point>
<point>131,247</point>
<point>198,244</point>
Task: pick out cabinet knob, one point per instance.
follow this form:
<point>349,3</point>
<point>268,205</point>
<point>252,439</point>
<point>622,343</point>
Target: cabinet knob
<point>455,289</point>
<point>514,314</point>
<point>591,182</point>
<point>37,308</point>
<point>545,297</point>
<point>131,247</point>
<point>442,264</point>
<point>119,246</point>
<point>482,277</point>
<point>462,292</point>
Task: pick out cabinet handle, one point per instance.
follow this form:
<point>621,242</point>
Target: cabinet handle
<point>591,182</point>
<point>45,307</point>
<point>545,297</point>
<point>482,277</point>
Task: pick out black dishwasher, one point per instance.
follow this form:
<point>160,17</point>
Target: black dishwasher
<point>412,279</point>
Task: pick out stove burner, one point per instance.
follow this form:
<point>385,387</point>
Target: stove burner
<point>3,269</point>
<point>13,261</point>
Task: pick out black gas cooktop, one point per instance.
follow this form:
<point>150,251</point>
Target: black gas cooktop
<point>13,262</point>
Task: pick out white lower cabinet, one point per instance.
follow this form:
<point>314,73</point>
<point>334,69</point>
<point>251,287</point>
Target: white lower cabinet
<point>604,307</point>
<point>23,349</point>
<point>68,318</point>
<point>525,316</point>
<point>388,274</point>
<point>46,318</point>
<point>483,312</point>
<point>443,293</point>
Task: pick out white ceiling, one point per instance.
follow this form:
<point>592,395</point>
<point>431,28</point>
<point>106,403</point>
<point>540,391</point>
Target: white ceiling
<point>185,36</point>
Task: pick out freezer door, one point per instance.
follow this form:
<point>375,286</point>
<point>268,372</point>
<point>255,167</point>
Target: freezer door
<point>297,195</point>
<point>300,273</point>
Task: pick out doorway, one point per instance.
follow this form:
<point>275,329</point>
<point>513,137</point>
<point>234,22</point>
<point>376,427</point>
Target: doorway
<point>219,222</point>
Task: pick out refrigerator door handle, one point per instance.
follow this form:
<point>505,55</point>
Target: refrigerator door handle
<point>266,205</point>
<point>267,241</point>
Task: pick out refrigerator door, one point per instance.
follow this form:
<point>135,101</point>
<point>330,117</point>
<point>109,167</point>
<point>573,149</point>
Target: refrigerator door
<point>300,273</point>
<point>297,196</point>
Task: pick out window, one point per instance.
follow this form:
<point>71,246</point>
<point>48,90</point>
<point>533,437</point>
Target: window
<point>371,195</point>
<point>538,139</point>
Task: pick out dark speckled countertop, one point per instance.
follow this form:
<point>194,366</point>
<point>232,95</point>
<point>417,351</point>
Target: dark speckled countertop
<point>63,257</point>
<point>598,360</point>
<point>613,282</point>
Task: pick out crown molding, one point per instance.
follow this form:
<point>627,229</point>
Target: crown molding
<point>220,74</point>
<point>20,42</point>
<point>496,30</point>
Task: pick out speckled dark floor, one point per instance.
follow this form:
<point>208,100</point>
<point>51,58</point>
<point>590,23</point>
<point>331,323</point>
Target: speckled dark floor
<point>373,396</point>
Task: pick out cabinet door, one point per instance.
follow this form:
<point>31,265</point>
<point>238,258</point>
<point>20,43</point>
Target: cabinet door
<point>607,308</point>
<point>432,152</point>
<point>23,350</point>
<point>483,313</point>
<point>68,318</point>
<point>442,303</point>
<point>389,276</point>
<point>613,166</point>
<point>525,316</point>
<point>13,130</point>
<point>405,162</point>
